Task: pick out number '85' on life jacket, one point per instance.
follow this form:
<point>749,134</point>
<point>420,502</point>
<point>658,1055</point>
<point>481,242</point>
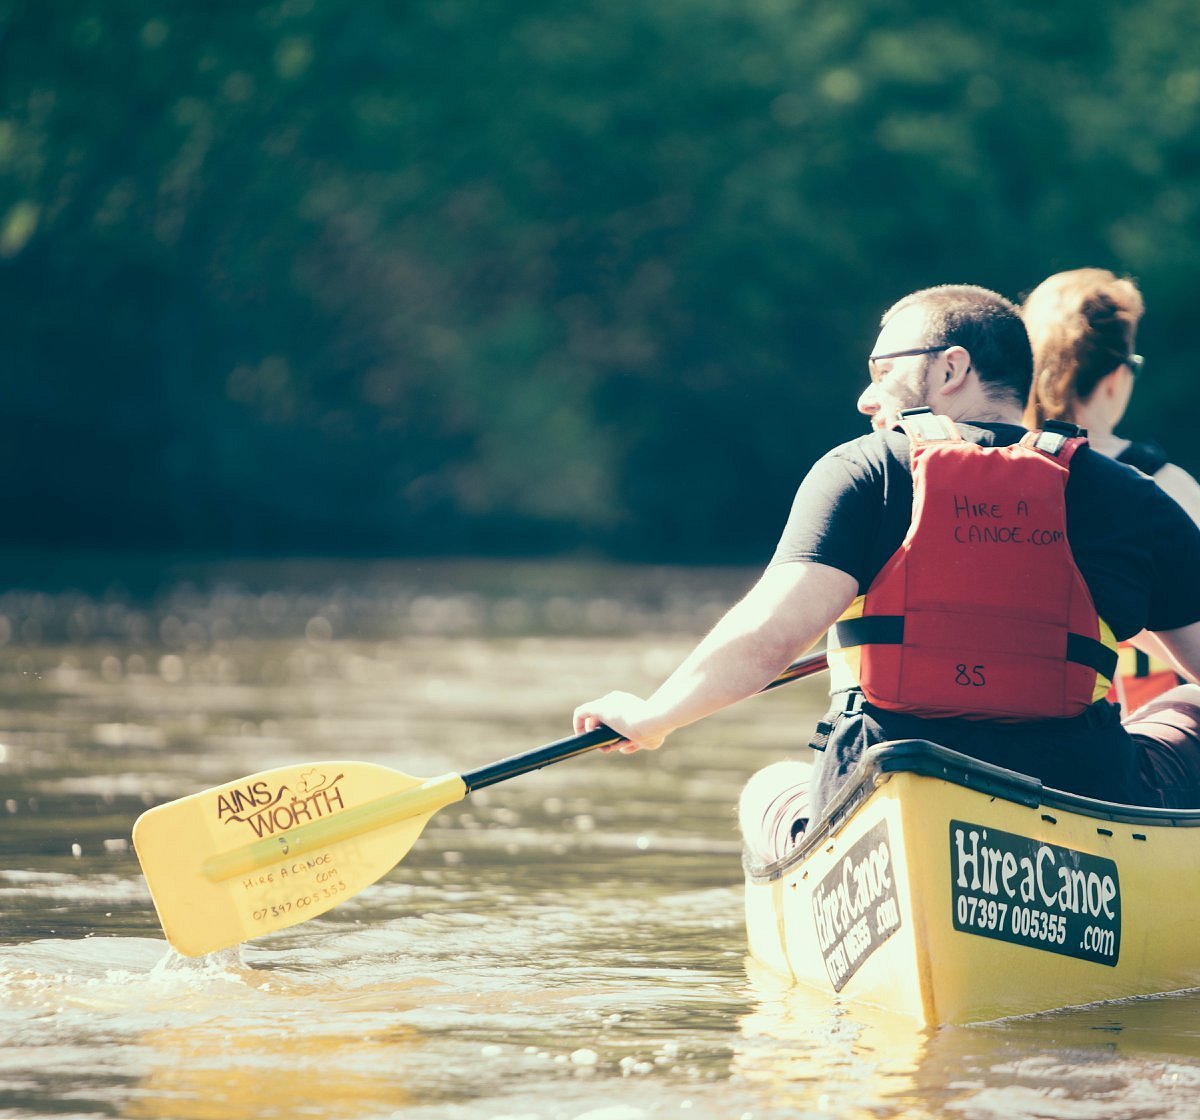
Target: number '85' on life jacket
<point>981,613</point>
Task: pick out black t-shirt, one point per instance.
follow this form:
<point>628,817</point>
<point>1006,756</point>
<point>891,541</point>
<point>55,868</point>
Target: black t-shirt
<point>1137,550</point>
<point>1148,457</point>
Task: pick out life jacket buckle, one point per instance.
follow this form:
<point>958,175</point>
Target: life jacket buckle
<point>1055,435</point>
<point>923,425</point>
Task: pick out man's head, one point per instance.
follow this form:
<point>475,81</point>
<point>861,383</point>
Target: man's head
<point>958,349</point>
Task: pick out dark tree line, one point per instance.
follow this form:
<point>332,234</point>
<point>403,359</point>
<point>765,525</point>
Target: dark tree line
<point>462,276</point>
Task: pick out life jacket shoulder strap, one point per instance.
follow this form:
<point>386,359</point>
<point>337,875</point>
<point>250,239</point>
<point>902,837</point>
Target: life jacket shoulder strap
<point>1056,440</point>
<point>923,425</point>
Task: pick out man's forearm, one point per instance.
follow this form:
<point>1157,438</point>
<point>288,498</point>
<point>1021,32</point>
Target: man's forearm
<point>779,618</point>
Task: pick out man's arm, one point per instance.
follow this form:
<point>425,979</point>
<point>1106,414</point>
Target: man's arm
<point>785,612</point>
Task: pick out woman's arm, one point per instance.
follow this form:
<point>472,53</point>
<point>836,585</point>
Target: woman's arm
<point>1179,648</point>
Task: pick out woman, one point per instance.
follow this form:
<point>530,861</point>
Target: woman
<point>1082,325</point>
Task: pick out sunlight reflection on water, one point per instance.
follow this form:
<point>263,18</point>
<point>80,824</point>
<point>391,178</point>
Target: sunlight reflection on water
<point>564,946</point>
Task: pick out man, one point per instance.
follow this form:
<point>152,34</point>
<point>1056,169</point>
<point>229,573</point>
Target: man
<point>962,353</point>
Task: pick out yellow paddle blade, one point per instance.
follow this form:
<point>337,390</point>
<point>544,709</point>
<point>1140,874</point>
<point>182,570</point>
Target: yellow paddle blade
<point>279,847</point>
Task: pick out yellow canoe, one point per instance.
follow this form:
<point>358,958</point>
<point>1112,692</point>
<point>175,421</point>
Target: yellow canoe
<point>951,891</point>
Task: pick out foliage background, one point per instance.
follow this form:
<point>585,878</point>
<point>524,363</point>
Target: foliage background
<point>476,277</point>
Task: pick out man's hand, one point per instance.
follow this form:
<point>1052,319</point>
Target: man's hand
<point>628,716</point>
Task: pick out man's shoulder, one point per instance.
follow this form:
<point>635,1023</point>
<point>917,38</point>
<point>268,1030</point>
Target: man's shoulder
<point>1147,456</point>
<point>861,466</point>
<point>874,448</point>
<point>892,446</point>
<point>1115,491</point>
<point>1107,471</point>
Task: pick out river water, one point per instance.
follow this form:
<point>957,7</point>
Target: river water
<point>567,945</point>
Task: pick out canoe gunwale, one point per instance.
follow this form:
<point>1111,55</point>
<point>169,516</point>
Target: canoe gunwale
<point>926,759</point>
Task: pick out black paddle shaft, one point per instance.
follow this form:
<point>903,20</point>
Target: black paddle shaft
<point>558,751</point>
<point>602,736</point>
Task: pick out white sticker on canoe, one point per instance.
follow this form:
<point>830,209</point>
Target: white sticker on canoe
<point>855,906</point>
<point>1014,888</point>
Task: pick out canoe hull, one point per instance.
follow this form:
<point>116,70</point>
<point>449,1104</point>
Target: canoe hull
<point>949,891</point>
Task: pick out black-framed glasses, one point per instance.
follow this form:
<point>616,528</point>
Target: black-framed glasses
<point>873,358</point>
<point>1135,362</point>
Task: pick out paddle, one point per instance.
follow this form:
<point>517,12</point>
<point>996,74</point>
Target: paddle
<point>276,848</point>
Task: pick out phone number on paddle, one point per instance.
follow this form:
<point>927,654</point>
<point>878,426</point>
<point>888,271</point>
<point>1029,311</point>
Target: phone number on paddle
<point>329,891</point>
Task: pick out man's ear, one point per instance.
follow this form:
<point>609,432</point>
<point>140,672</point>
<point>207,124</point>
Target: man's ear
<point>957,370</point>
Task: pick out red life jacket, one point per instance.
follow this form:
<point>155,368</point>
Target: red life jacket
<point>981,613</point>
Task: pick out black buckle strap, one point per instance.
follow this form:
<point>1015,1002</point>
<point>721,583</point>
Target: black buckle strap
<point>1063,428</point>
<point>851,705</point>
<point>871,630</point>
<point>1095,655</point>
<point>888,630</point>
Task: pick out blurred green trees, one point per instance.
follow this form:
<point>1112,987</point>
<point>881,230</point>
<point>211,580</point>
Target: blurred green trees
<point>452,276</point>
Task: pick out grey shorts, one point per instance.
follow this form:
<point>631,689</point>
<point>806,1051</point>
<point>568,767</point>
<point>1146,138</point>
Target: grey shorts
<point>1167,734</point>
